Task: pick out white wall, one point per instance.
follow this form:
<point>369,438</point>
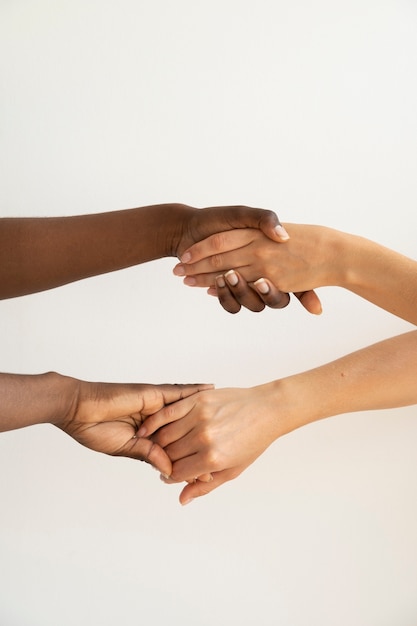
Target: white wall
<point>305,107</point>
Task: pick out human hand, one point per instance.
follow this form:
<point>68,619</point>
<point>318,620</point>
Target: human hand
<point>106,417</point>
<point>219,432</point>
<point>233,292</point>
<point>193,225</point>
<point>301,265</point>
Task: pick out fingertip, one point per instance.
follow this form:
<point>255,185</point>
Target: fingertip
<point>311,302</point>
<point>281,233</point>
<point>179,270</point>
<point>262,286</point>
<point>220,284</point>
<point>186,257</point>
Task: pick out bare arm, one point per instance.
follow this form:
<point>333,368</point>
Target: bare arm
<point>315,256</point>
<point>104,417</point>
<point>223,431</point>
<point>42,253</point>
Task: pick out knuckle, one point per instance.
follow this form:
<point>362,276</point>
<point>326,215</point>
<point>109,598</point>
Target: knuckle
<point>268,217</point>
<point>205,439</point>
<point>218,241</point>
<point>146,454</point>
<point>212,459</point>
<point>169,412</point>
<point>216,261</point>
<point>203,490</point>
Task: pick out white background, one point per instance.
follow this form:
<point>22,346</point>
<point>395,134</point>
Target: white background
<point>308,108</point>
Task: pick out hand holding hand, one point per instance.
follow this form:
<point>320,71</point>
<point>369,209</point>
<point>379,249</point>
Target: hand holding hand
<point>300,266</point>
<point>106,417</point>
<point>219,432</point>
<point>233,292</point>
<point>197,224</point>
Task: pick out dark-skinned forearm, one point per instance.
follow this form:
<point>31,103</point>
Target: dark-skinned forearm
<point>42,253</point>
<point>28,400</point>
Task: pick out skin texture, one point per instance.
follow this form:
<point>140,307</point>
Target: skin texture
<point>101,416</point>
<point>314,257</point>
<point>42,253</point>
<point>223,431</point>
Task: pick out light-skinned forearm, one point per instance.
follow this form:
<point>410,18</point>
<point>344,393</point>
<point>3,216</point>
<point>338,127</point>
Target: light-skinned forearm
<point>374,272</point>
<point>315,256</point>
<point>223,431</point>
<point>380,376</point>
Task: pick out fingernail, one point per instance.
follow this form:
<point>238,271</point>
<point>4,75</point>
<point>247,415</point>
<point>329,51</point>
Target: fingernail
<point>187,501</point>
<point>220,281</point>
<point>281,232</point>
<point>186,257</point>
<point>179,270</point>
<point>262,286</point>
<point>231,278</point>
<point>190,281</point>
<point>141,432</point>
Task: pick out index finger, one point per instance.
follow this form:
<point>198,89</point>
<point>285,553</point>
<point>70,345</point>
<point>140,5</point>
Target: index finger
<point>176,392</point>
<point>168,414</point>
<point>218,243</point>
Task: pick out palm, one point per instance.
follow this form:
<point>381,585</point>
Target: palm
<point>108,417</point>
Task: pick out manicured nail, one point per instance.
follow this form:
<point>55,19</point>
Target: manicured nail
<point>179,270</point>
<point>190,281</point>
<point>186,257</point>
<point>231,278</point>
<point>220,281</point>
<point>262,286</point>
<point>281,232</point>
<point>141,432</point>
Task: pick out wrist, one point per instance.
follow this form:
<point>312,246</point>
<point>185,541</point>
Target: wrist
<point>336,256</point>
<point>349,260</point>
<point>177,218</point>
<point>298,400</point>
<point>64,396</point>
<point>28,400</point>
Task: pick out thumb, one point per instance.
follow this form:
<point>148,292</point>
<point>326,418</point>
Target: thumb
<point>146,450</point>
<point>310,301</point>
<point>270,225</point>
<point>265,220</point>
